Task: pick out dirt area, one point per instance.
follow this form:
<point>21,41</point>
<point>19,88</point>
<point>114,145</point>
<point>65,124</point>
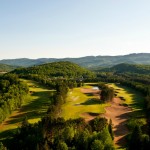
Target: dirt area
<point>116,112</point>
<point>119,115</point>
<point>87,116</point>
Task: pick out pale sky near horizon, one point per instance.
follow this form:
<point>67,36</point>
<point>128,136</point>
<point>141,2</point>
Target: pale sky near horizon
<point>73,28</point>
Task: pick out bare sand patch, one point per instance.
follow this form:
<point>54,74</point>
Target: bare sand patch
<point>87,116</point>
<point>119,115</point>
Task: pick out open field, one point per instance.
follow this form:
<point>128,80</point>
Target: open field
<point>83,102</point>
<point>34,107</point>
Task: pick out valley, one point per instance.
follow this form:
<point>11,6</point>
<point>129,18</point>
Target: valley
<point>63,100</point>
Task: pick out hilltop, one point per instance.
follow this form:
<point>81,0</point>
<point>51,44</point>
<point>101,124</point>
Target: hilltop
<point>56,69</point>
<point>87,61</point>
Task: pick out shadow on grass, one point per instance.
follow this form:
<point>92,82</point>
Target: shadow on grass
<point>138,98</point>
<point>92,101</point>
<point>89,94</point>
<point>34,109</point>
<point>7,134</point>
<point>93,114</point>
<point>121,129</point>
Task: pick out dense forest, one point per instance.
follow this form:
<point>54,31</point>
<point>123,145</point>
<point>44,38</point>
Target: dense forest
<point>53,132</point>
<point>56,69</point>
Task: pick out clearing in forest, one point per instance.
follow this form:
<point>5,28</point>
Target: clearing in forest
<point>34,107</point>
<point>83,102</point>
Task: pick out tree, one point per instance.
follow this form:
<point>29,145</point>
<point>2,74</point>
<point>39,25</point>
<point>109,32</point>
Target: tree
<point>68,134</point>
<point>135,141</point>
<point>2,147</point>
<point>107,93</point>
<point>110,129</point>
<point>98,124</point>
<point>62,146</point>
<point>97,145</point>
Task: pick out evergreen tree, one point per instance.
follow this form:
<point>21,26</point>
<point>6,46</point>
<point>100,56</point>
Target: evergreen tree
<point>135,142</point>
<point>110,126</point>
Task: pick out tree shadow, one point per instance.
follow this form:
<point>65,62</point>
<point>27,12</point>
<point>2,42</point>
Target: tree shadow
<point>89,94</point>
<point>121,129</point>
<point>34,109</point>
<point>7,134</point>
<point>93,101</point>
<point>93,114</point>
<point>138,98</point>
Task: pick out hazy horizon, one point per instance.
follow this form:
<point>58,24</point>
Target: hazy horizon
<point>71,57</point>
<point>60,29</point>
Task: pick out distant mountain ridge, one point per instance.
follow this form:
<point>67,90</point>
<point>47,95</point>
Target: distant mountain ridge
<point>87,61</point>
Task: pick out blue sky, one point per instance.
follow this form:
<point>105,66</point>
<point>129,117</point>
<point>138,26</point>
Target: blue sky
<point>73,28</point>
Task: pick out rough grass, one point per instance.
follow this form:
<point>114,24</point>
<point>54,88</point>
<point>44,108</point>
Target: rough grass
<point>78,103</point>
<point>34,107</point>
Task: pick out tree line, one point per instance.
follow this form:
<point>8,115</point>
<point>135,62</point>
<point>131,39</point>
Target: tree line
<point>58,134</point>
<point>12,94</point>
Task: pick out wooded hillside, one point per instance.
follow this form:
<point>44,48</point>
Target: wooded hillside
<point>56,69</point>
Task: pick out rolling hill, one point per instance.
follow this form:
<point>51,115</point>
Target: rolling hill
<point>88,61</point>
<point>56,69</point>
<point>6,68</point>
<point>125,68</point>
<point>132,68</point>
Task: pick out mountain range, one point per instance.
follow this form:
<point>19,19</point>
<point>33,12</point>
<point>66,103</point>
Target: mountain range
<point>87,61</point>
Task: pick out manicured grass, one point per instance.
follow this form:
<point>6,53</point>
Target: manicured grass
<point>34,107</point>
<point>78,103</point>
<point>38,103</point>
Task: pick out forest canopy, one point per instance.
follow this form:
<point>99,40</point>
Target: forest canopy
<point>56,69</point>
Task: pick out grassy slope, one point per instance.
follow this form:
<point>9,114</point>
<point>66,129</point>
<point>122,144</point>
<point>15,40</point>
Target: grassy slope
<point>79,103</point>
<point>132,98</point>
<point>34,107</point>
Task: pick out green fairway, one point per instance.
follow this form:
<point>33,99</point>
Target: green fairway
<point>34,107</point>
<point>79,103</point>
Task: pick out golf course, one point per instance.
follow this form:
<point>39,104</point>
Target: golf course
<point>81,102</point>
